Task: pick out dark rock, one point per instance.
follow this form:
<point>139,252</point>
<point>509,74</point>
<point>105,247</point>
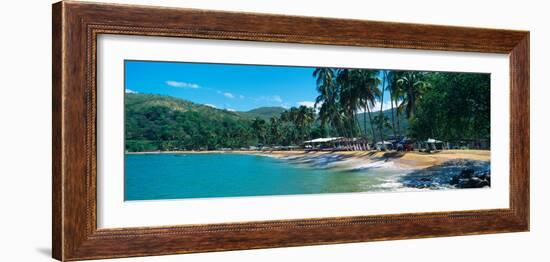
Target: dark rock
<point>464,183</point>
<point>454,180</point>
<point>486,175</point>
<point>467,173</point>
<point>476,182</point>
<point>469,179</point>
<point>456,173</point>
<point>484,183</point>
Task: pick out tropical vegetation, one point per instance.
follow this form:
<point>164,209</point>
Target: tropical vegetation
<point>350,103</point>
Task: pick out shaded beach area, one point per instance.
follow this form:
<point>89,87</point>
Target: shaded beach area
<point>443,169</point>
<point>354,159</point>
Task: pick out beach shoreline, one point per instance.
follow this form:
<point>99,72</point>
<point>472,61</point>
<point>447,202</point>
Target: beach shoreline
<point>355,159</point>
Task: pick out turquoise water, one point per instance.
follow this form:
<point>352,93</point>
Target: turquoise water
<point>176,176</point>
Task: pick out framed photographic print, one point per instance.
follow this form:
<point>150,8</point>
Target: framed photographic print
<point>181,130</point>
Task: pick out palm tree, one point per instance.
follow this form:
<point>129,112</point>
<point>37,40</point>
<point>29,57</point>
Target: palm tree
<point>327,98</point>
<point>385,78</point>
<point>382,121</point>
<point>349,98</point>
<point>259,126</point>
<point>368,82</point>
<point>274,130</point>
<point>391,87</point>
<point>305,116</point>
<point>397,95</point>
<point>414,87</point>
<point>292,114</point>
<point>285,116</point>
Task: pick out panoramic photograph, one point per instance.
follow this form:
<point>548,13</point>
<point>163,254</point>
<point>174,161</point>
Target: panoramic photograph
<point>207,130</point>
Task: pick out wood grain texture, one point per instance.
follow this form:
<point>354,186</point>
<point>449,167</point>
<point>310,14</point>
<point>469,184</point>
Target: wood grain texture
<point>519,129</point>
<point>57,215</point>
<point>76,26</point>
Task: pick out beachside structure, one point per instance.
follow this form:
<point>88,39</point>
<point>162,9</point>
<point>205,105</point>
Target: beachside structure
<point>384,145</point>
<point>322,143</point>
<point>432,145</point>
<point>484,144</point>
<point>337,143</point>
<point>405,144</point>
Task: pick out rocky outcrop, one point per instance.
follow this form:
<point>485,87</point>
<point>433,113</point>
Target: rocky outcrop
<point>468,178</point>
<point>459,173</point>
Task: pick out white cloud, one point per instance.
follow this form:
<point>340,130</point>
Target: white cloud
<point>211,105</point>
<point>277,98</point>
<point>182,84</point>
<point>274,98</point>
<point>310,104</point>
<point>230,109</point>
<point>385,106</point>
<point>306,103</point>
<point>229,95</point>
<point>128,91</point>
<point>241,96</point>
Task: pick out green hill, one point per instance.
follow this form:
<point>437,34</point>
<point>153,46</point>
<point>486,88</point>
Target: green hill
<point>141,102</point>
<point>156,122</point>
<point>264,113</point>
<point>388,132</point>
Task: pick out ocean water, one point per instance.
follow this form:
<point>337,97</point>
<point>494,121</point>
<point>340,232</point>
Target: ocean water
<point>178,176</point>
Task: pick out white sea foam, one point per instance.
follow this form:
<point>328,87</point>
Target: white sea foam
<point>390,185</point>
<point>379,164</point>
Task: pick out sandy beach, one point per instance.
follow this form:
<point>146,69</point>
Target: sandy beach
<point>406,160</point>
<point>357,159</point>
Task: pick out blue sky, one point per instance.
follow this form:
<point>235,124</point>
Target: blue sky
<point>225,86</point>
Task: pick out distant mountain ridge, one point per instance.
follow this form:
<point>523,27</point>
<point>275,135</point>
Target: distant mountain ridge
<point>142,101</point>
<point>403,122</point>
<point>263,112</point>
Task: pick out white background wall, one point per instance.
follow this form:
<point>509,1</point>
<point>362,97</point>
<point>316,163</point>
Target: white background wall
<point>25,147</point>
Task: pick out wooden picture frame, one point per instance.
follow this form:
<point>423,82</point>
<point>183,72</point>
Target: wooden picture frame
<point>76,26</point>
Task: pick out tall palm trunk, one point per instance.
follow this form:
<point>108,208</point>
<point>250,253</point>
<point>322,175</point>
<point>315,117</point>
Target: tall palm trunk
<point>350,132</point>
<point>352,124</point>
<point>365,120</point>
<point>365,147</point>
<point>380,127</point>
<point>371,126</point>
<point>397,116</point>
<point>412,101</point>
<point>392,117</point>
<point>357,128</point>
<point>353,128</point>
<point>356,125</point>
